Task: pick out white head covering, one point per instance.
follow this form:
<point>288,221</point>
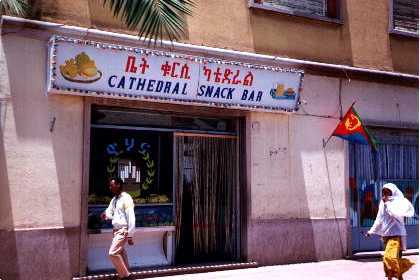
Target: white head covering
<point>398,204</point>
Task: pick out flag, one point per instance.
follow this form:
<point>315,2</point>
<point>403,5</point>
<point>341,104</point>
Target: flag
<point>351,128</point>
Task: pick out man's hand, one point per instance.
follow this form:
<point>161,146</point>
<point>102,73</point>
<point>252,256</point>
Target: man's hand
<point>367,234</point>
<point>130,241</point>
<point>103,216</point>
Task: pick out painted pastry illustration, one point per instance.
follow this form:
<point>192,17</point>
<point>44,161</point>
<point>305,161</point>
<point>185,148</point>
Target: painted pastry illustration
<point>81,69</point>
<point>281,93</point>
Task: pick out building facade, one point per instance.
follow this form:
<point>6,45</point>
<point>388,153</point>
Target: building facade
<point>212,180</point>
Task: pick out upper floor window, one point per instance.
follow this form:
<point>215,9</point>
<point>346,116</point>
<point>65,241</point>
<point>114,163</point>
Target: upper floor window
<point>318,9</point>
<point>405,17</point>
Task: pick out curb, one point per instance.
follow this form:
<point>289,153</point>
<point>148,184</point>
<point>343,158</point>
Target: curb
<point>379,254</point>
<point>157,272</point>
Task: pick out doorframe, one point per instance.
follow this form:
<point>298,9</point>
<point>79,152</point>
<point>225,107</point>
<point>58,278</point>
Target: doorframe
<point>84,237</point>
<point>239,169</point>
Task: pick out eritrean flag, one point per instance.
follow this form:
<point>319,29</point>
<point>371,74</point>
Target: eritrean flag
<point>352,129</point>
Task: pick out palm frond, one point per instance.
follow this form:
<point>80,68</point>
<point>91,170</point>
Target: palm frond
<point>14,7</point>
<point>153,19</point>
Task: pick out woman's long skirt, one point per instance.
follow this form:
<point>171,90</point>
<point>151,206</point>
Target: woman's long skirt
<point>394,264</point>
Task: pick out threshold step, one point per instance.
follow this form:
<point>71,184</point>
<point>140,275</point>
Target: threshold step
<point>379,254</point>
<point>173,270</point>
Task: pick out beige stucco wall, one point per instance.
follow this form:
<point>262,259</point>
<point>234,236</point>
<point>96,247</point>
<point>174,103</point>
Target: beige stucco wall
<point>362,39</point>
<point>43,168</point>
<point>298,189</point>
<point>295,186</point>
<point>288,163</point>
<point>288,168</point>
<point>40,167</point>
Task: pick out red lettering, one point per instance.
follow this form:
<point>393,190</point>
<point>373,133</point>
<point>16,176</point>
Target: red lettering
<point>235,80</point>
<point>166,68</point>
<point>174,65</point>
<point>226,75</point>
<point>249,78</point>
<point>130,65</point>
<point>143,66</point>
<point>218,75</point>
<point>207,72</point>
<point>184,72</point>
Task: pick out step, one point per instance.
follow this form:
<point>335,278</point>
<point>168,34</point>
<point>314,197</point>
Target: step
<point>173,270</point>
<point>379,254</point>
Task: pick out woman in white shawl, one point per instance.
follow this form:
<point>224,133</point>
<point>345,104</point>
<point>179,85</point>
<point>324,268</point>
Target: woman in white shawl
<point>389,224</point>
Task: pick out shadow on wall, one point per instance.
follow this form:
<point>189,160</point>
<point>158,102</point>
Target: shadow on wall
<point>45,235</point>
<point>297,37</point>
<point>8,265</point>
<point>85,13</point>
<point>101,17</point>
<point>322,175</point>
<point>283,234</point>
<point>311,224</point>
<point>404,54</point>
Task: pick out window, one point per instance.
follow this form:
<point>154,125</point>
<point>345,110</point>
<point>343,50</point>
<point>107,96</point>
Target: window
<point>137,146</point>
<point>404,17</point>
<point>318,9</point>
<point>143,160</point>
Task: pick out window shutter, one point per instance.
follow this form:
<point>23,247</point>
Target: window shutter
<point>310,7</point>
<point>332,8</point>
<point>405,14</point>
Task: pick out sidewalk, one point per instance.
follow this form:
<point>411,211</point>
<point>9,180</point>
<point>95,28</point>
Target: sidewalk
<point>362,269</point>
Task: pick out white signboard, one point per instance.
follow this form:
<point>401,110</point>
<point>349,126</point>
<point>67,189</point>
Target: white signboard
<point>86,67</point>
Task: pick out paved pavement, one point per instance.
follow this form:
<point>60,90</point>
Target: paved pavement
<point>363,269</point>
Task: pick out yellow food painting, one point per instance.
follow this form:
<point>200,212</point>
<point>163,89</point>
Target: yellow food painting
<point>279,90</point>
<point>80,69</point>
<point>85,65</point>
<point>69,68</point>
<point>289,92</point>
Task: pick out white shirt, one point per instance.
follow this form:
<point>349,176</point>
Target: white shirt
<point>388,224</point>
<point>390,218</point>
<point>121,211</point>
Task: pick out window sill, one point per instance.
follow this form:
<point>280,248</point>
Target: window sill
<point>135,204</point>
<point>404,33</point>
<point>147,229</point>
<point>252,4</point>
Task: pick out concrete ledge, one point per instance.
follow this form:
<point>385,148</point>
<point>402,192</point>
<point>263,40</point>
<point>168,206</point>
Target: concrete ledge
<point>158,272</point>
<point>379,254</point>
<point>284,241</point>
<point>39,253</point>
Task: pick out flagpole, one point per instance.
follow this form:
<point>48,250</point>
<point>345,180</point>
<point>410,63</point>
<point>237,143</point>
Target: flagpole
<point>324,143</point>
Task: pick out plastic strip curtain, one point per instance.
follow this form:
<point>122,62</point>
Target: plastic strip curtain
<point>206,199</point>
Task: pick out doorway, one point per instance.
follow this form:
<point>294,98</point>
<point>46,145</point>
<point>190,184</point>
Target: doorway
<point>394,161</point>
<point>207,202</point>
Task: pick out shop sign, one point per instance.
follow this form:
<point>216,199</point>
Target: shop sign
<point>93,68</point>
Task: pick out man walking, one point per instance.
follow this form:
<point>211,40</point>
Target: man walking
<point>121,212</point>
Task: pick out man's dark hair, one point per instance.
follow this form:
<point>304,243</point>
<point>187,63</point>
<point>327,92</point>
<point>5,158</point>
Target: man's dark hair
<point>117,180</point>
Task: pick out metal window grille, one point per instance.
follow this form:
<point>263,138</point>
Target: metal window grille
<point>309,7</point>
<point>405,15</point>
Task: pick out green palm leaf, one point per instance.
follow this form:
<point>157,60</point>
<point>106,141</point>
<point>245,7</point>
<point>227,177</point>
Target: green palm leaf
<point>154,19</point>
<point>13,7</point>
